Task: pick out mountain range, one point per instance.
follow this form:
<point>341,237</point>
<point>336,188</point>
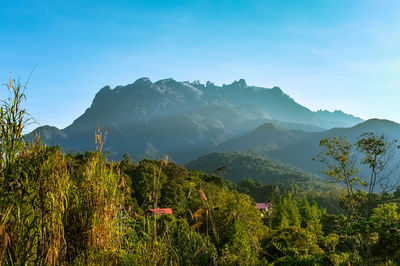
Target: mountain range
<point>298,147</point>
<point>184,119</point>
<point>251,130</point>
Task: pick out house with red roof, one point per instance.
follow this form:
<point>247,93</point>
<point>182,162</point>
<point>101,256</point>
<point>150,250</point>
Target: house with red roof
<point>267,207</point>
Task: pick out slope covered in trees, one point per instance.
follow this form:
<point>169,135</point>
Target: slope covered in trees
<point>237,166</point>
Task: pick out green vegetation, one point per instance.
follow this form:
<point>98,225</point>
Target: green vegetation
<point>81,209</point>
<point>243,164</point>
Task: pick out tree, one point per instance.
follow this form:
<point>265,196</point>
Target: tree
<point>310,216</point>
<point>378,153</point>
<point>385,221</point>
<point>292,246</point>
<point>287,212</point>
<point>339,160</point>
<point>385,215</point>
<point>126,162</point>
<point>240,250</point>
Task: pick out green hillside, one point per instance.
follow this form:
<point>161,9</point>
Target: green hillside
<point>241,165</point>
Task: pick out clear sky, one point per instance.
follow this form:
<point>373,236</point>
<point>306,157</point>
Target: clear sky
<point>335,54</point>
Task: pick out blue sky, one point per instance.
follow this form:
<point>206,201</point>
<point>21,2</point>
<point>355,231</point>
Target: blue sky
<point>325,54</point>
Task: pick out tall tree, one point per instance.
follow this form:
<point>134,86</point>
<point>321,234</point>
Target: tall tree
<point>340,162</point>
<point>377,152</point>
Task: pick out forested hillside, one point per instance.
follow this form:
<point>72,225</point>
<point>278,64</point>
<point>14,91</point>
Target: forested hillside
<point>236,166</point>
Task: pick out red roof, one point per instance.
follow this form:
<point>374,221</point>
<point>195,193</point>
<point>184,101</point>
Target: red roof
<point>161,211</point>
<point>263,206</point>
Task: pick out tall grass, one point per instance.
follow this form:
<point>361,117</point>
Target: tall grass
<point>103,194</point>
<point>13,119</point>
<point>36,225</point>
<point>51,212</point>
<point>33,190</point>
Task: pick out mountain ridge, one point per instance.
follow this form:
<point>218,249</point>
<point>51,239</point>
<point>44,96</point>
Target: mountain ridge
<point>148,118</point>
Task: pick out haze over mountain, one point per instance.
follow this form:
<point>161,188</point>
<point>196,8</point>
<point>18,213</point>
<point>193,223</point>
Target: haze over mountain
<point>300,152</point>
<point>296,148</point>
<point>184,119</point>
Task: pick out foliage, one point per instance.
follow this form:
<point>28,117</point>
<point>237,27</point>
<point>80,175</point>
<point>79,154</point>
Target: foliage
<point>378,153</point>
<point>240,250</point>
<point>340,163</point>
<point>291,242</point>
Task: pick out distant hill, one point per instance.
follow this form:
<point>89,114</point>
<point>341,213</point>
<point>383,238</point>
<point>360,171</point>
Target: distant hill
<point>268,136</point>
<point>297,147</point>
<point>240,165</point>
<point>184,119</point>
<point>299,153</point>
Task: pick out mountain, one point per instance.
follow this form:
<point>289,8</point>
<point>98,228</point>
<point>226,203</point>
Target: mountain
<point>183,119</point>
<point>297,147</point>
<point>300,153</point>
<point>268,136</point>
<point>48,133</point>
<point>337,118</point>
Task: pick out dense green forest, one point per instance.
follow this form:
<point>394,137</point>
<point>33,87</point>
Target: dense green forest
<point>82,209</point>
